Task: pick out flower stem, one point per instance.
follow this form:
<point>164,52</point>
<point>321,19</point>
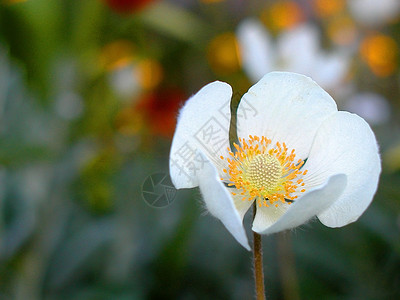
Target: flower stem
<point>258,262</point>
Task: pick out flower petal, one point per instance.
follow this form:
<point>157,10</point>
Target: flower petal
<point>242,206</point>
<point>256,49</point>
<point>345,144</point>
<point>203,124</point>
<point>266,216</point>
<point>219,202</point>
<point>306,207</point>
<point>285,107</point>
<point>298,48</point>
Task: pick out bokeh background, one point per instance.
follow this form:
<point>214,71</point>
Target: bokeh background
<point>89,93</point>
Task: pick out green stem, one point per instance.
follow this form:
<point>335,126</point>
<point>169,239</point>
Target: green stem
<point>258,262</point>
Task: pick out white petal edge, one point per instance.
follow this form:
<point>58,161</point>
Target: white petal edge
<point>285,107</point>
<point>306,207</point>
<point>219,202</point>
<point>203,123</point>
<point>256,49</point>
<point>345,144</point>
<point>242,206</point>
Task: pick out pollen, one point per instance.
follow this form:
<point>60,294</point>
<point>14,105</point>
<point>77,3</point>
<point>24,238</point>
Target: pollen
<point>268,173</point>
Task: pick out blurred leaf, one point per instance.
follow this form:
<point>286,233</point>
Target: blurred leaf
<point>176,22</point>
<point>35,35</point>
<point>96,180</point>
<point>15,153</point>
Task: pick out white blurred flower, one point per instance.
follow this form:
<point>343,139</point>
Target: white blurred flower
<point>296,50</point>
<point>125,81</point>
<point>131,78</point>
<point>374,108</point>
<point>297,156</point>
<point>374,12</point>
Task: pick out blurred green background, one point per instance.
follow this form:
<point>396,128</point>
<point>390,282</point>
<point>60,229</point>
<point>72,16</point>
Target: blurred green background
<point>89,93</point>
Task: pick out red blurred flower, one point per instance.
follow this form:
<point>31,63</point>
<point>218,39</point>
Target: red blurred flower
<point>155,113</point>
<point>160,108</point>
<point>127,6</point>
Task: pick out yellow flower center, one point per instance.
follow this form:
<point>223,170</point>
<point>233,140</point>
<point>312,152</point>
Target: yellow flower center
<point>266,173</point>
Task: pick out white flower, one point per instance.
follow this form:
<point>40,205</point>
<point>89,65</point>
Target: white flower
<point>373,12</point>
<point>125,81</point>
<point>296,50</point>
<point>297,156</point>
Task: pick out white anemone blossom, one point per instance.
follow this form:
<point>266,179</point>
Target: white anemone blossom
<point>295,50</point>
<point>296,155</point>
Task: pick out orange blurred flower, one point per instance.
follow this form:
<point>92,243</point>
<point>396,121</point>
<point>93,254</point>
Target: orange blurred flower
<point>150,73</point>
<point>117,54</point>
<point>282,15</point>
<point>223,53</point>
<point>380,52</point>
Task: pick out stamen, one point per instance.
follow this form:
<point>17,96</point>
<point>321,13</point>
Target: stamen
<point>267,173</point>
